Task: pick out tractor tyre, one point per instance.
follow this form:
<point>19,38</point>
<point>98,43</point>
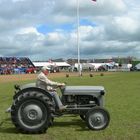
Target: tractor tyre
<point>31,112</point>
<point>97,118</point>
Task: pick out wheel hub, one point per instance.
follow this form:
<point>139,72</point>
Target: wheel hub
<point>32,115</point>
<point>97,120</point>
<point>33,112</point>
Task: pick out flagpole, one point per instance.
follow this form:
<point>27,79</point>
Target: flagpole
<point>78,37</point>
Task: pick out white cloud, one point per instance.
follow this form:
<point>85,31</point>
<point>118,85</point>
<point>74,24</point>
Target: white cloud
<point>29,30</point>
<point>127,24</point>
<point>113,28</point>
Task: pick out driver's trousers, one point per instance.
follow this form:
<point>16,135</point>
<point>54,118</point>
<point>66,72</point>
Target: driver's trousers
<point>56,99</point>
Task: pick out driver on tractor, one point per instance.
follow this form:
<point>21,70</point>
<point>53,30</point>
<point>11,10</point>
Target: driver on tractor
<point>48,85</point>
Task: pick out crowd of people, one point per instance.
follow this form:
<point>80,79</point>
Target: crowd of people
<point>14,65</point>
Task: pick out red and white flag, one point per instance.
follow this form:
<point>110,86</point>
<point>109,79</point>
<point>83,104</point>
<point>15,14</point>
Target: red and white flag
<point>50,61</point>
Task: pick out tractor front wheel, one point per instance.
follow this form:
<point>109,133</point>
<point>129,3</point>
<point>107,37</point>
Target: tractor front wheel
<point>97,118</point>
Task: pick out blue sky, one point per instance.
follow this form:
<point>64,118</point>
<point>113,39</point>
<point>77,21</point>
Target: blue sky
<point>47,29</point>
<point>67,27</point>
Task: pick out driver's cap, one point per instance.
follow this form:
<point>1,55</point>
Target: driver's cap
<point>45,68</point>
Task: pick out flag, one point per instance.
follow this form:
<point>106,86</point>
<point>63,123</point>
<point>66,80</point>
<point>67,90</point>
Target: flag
<point>50,61</point>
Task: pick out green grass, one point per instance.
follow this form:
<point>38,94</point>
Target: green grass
<point>122,101</point>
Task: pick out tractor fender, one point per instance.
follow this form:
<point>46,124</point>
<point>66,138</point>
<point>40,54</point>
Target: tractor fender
<point>22,91</point>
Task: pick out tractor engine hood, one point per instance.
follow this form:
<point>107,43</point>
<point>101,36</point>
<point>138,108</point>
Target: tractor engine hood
<point>78,90</point>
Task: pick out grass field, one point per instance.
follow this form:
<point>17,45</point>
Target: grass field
<point>122,101</point>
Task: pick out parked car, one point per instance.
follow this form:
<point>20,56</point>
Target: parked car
<point>31,70</point>
<point>133,68</point>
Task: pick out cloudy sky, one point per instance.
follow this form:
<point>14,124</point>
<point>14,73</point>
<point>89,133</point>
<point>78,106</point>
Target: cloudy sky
<point>47,29</point>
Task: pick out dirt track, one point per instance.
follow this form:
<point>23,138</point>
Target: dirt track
<point>24,77</point>
<point>17,77</point>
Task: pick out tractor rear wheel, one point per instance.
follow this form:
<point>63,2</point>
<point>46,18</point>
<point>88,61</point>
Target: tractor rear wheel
<point>31,112</point>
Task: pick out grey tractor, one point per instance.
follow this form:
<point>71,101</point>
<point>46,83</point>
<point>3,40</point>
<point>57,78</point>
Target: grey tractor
<point>33,109</point>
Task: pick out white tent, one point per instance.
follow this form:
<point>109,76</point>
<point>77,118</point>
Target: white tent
<point>138,66</point>
<point>97,65</point>
<point>57,64</point>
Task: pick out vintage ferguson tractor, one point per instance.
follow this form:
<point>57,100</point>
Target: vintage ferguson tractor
<point>34,109</point>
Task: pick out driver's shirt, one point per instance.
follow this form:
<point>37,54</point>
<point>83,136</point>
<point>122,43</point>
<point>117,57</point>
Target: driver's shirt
<point>44,83</point>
